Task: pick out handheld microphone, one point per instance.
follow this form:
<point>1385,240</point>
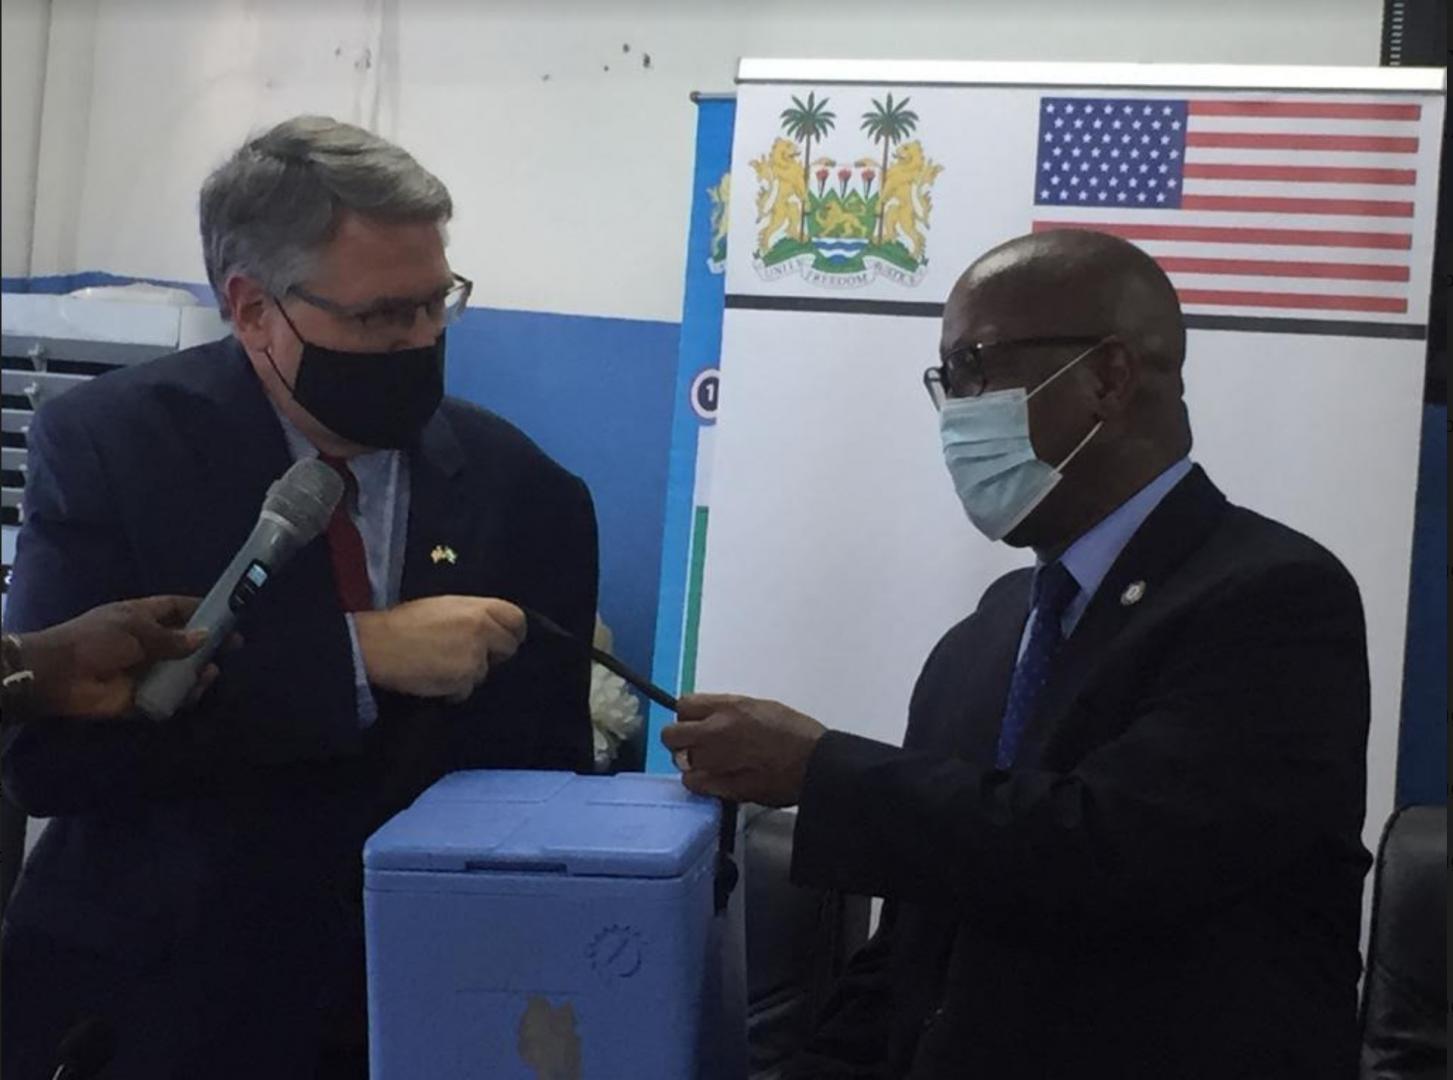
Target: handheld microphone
<point>86,1050</point>
<point>295,511</point>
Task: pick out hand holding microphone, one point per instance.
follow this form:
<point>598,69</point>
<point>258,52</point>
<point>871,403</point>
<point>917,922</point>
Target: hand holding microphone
<point>88,667</point>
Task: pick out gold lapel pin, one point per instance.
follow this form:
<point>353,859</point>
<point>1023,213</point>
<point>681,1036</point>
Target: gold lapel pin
<point>1133,593</point>
<point>443,553</point>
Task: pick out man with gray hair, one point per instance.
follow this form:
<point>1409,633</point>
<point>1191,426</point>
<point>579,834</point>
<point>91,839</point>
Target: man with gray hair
<point>199,888</point>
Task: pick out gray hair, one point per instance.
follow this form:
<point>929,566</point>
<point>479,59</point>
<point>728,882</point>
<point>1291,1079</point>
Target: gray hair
<point>273,204</point>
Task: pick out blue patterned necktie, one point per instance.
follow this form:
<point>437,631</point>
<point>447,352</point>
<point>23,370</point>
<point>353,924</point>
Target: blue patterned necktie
<point>1054,588</point>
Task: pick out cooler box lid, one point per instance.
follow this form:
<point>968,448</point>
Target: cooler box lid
<point>508,821</point>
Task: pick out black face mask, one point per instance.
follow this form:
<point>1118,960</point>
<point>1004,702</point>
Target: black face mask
<point>376,399</point>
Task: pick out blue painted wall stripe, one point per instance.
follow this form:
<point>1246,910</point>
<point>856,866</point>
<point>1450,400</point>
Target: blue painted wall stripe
<point>1423,738</point>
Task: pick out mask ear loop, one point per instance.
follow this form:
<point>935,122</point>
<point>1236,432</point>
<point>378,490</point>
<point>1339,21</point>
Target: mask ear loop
<point>267,349</point>
<point>1072,454</point>
<point>1065,367</point>
<point>267,352</point>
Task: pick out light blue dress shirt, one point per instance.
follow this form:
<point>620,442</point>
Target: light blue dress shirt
<point>381,515</point>
<point>1090,557</point>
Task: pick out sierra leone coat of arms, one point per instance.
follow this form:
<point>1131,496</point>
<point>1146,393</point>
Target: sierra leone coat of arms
<point>844,222</point>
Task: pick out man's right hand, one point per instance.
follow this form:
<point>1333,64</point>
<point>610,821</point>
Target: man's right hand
<point>440,646</point>
<point>89,666</point>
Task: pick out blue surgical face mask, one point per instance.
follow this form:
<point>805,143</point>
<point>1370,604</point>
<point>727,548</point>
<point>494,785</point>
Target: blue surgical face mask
<point>986,444</point>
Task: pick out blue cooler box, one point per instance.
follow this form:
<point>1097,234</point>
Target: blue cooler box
<point>540,925</point>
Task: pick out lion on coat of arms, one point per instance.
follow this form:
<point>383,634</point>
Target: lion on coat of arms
<point>783,191</point>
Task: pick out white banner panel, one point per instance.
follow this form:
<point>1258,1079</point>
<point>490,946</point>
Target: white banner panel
<point>1295,218</point>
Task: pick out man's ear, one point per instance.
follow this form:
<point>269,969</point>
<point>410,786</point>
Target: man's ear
<point>1117,378</point>
<point>248,301</point>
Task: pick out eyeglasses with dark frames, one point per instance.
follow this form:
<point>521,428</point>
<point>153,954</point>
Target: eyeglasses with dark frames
<point>442,308</point>
<point>961,372</point>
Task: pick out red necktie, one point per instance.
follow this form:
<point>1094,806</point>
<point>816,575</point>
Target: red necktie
<point>350,564</point>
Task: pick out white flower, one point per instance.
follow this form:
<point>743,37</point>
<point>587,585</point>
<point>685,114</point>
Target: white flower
<point>613,706</point>
<point>615,714</point>
<point>604,749</point>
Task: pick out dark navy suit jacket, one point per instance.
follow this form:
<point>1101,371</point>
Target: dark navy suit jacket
<point>200,883</point>
<point>1169,887</point>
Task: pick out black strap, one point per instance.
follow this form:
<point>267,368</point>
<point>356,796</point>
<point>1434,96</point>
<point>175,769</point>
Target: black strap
<point>727,874</point>
<point>726,866</point>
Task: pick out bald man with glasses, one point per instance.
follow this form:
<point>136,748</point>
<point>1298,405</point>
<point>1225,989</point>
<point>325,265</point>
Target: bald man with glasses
<point>1122,838</point>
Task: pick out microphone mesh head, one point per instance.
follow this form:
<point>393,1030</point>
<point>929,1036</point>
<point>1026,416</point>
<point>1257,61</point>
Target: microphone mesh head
<point>305,496</point>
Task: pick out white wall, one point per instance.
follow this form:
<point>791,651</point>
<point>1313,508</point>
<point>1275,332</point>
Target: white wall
<point>22,77</point>
<point>569,157</point>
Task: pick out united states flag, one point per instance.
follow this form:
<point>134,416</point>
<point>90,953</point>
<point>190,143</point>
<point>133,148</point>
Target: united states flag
<point>1254,206</point>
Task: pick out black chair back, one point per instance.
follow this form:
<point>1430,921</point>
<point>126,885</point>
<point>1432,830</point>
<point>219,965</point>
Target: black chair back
<point>1404,998</point>
<point>797,942</point>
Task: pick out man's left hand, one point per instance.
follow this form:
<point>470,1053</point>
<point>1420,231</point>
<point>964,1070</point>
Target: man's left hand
<point>741,748</point>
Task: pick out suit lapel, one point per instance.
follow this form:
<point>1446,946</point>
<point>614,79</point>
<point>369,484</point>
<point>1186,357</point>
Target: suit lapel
<point>1169,535</point>
<point>240,451</point>
<point>977,682</point>
<point>238,438</point>
<point>442,553</point>
<point>450,550</point>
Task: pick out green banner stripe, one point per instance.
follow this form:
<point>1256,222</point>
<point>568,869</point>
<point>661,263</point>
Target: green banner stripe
<point>695,573</point>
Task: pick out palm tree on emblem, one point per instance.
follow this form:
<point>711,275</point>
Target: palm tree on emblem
<point>888,122</point>
<point>804,122</point>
